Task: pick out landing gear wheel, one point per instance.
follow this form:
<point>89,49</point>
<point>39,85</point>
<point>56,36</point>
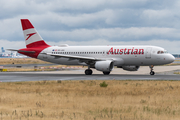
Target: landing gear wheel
<point>106,73</point>
<point>151,68</point>
<point>152,73</point>
<point>88,72</point>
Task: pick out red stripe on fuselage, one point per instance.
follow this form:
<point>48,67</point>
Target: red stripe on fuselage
<point>33,55</point>
<point>35,46</point>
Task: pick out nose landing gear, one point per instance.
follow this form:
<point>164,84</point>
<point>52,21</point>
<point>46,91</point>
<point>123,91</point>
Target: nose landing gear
<point>151,68</point>
<point>152,73</point>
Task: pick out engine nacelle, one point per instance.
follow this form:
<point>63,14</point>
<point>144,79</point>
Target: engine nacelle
<point>105,66</point>
<point>130,68</point>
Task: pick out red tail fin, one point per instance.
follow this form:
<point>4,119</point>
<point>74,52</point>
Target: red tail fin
<point>32,37</point>
<point>34,42</point>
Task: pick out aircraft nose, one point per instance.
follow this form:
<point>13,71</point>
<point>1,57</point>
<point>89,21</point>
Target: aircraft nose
<point>171,58</point>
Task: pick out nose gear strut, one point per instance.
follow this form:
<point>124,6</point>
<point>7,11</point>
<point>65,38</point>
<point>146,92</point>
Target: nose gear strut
<point>151,68</point>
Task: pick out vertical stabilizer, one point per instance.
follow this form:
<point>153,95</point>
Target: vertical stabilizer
<point>31,36</point>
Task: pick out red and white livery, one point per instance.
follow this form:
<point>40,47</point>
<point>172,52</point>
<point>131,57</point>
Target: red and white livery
<point>102,58</point>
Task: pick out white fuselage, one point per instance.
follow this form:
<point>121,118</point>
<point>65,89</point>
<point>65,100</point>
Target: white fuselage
<point>102,58</point>
<point>120,55</point>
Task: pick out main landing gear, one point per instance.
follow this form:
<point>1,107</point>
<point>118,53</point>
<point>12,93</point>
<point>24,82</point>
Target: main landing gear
<point>88,72</point>
<point>152,72</point>
<point>106,73</point>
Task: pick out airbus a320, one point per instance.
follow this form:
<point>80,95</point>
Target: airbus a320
<point>102,58</point>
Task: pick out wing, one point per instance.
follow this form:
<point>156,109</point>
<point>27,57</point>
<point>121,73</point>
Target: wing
<point>74,57</point>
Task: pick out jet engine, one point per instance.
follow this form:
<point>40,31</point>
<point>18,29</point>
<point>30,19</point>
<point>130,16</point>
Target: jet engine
<point>130,68</point>
<point>105,66</point>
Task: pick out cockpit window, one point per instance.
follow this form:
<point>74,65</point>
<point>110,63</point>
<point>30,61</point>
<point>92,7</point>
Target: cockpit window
<point>165,51</point>
<point>162,52</point>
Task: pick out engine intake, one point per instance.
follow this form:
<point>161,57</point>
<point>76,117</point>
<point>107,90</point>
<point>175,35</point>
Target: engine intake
<point>105,66</point>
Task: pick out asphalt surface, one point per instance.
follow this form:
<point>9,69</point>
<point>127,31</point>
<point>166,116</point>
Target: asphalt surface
<point>37,76</point>
<point>162,73</point>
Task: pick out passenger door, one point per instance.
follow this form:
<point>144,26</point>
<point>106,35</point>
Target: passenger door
<point>148,52</point>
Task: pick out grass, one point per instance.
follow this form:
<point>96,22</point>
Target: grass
<point>14,61</point>
<point>26,69</point>
<point>171,64</point>
<point>5,61</point>
<point>177,73</point>
<point>103,84</point>
<point>86,100</point>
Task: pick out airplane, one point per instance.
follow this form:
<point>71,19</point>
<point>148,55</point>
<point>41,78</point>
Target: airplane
<point>102,58</point>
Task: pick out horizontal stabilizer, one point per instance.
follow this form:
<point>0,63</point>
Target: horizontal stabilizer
<point>11,49</point>
<point>21,51</point>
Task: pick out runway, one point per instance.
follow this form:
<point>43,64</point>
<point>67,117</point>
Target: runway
<point>162,73</point>
<point>38,76</point>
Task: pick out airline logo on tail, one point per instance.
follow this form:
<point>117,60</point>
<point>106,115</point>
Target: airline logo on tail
<point>29,35</point>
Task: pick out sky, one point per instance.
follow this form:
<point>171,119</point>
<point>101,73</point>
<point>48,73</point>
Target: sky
<point>93,22</point>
